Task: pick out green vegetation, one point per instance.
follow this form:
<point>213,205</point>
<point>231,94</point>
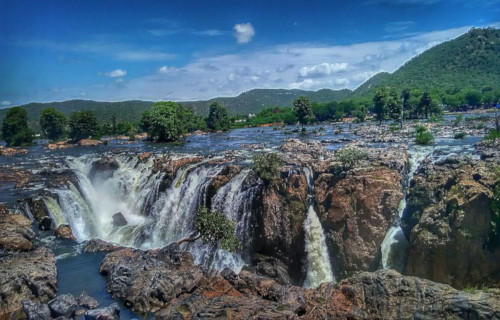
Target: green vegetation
<point>460,135</point>
<point>83,125</point>
<point>493,240</point>
<point>53,123</point>
<point>350,156</point>
<point>168,121</point>
<point>493,134</point>
<point>457,120</point>
<point>218,118</point>
<point>303,111</point>
<point>15,130</point>
<point>423,136</point>
<point>214,229</point>
<point>267,165</point>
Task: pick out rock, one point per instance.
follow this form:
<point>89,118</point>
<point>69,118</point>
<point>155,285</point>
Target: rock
<point>279,219</point>
<point>447,221</point>
<point>89,143</point>
<point>20,177</point>
<point>86,301</point>
<point>170,165</point>
<point>27,276</point>
<point>144,156</point>
<point>112,312</point>
<point>98,245</point>
<point>141,136</point>
<point>64,231</point>
<point>103,168</point>
<point>63,306</point>
<point>272,268</point>
<point>16,233</point>
<point>35,207</point>
<point>119,220</point>
<point>60,145</point>
<point>12,151</point>
<point>3,209</point>
<point>36,311</point>
<point>45,224</point>
<point>221,179</point>
<point>148,280</point>
<point>356,212</point>
<point>386,294</point>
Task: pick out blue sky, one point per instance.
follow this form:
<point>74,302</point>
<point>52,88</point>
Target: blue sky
<point>190,50</point>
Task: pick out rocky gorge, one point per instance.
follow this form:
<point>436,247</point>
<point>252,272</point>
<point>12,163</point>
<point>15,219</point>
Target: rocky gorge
<point>135,205</point>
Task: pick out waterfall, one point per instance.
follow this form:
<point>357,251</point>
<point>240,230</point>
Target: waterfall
<point>154,218</point>
<point>319,269</point>
<point>393,248</point>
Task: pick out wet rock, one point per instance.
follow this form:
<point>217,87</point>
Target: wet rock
<point>119,220</point>
<point>20,177</point>
<point>386,294</point>
<point>98,245</point>
<point>148,280</point>
<point>59,178</point>
<point>45,224</point>
<point>225,175</point>
<point>144,156</point>
<point>64,231</point>
<point>3,209</point>
<point>63,306</point>
<point>112,312</point>
<point>86,301</point>
<point>448,223</point>
<point>36,311</point>
<point>16,233</point>
<point>60,145</point>
<point>356,212</point>
<point>103,168</point>
<point>12,151</point>
<point>170,165</point>
<point>272,268</point>
<point>36,207</point>
<point>27,276</point>
<point>281,212</point>
<point>89,143</point>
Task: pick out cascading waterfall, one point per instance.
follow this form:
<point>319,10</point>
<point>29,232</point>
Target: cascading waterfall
<point>319,269</point>
<point>394,246</point>
<point>154,218</point>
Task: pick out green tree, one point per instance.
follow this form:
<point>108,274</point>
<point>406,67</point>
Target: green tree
<point>379,104</point>
<point>303,111</point>
<point>15,130</point>
<point>394,105</point>
<point>82,125</point>
<point>218,118</point>
<point>425,103</point>
<point>473,97</point>
<point>214,229</point>
<point>167,121</point>
<point>267,165</point>
<point>53,123</point>
<point>350,156</point>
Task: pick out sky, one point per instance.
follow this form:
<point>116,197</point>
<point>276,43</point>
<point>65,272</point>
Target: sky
<point>191,50</point>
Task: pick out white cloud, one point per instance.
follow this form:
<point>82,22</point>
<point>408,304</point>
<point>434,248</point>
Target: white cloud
<point>243,32</point>
<point>116,73</point>
<point>322,69</point>
<point>168,70</point>
<point>5,103</point>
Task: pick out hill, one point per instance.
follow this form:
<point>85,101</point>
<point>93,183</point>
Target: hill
<point>471,61</point>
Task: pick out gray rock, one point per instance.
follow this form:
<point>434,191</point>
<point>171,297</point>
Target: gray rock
<point>63,305</point>
<point>86,301</point>
<point>98,245</point>
<point>45,224</point>
<point>119,220</point>
<point>111,312</point>
<point>36,311</point>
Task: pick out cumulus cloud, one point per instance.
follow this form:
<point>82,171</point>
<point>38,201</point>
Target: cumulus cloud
<point>116,73</point>
<point>168,70</point>
<point>322,69</point>
<point>5,103</point>
<point>243,32</point>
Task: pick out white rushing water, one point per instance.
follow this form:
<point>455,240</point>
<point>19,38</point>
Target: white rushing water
<point>154,218</point>
<point>319,269</point>
<point>394,246</point>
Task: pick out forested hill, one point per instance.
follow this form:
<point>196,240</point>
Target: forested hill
<point>471,61</point>
<point>255,100</point>
<point>248,102</point>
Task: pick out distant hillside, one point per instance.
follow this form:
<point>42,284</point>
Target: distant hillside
<point>254,100</point>
<point>469,61</point>
<point>248,102</point>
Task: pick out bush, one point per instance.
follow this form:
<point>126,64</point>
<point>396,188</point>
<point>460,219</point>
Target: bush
<point>457,120</point>
<point>350,156</point>
<point>266,166</point>
<point>423,136</point>
<point>460,135</point>
<point>214,228</point>
<point>494,134</point>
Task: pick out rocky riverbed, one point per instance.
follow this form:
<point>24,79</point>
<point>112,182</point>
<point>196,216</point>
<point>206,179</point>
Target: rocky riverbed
<point>139,202</point>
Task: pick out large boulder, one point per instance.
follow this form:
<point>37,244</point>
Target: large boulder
<point>16,233</point>
<point>448,223</point>
<point>27,276</point>
<point>111,312</point>
<point>103,168</point>
<point>36,311</point>
<point>64,231</point>
<point>98,245</point>
<point>386,294</point>
<point>356,212</point>
<point>63,305</point>
<point>148,280</point>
